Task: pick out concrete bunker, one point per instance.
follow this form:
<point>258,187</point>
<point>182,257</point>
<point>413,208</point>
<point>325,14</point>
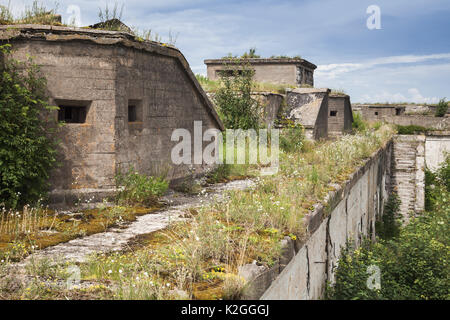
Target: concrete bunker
<point>309,107</point>
<point>289,71</point>
<point>120,100</point>
<point>340,116</point>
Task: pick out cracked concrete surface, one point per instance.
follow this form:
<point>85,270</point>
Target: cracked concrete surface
<point>116,239</point>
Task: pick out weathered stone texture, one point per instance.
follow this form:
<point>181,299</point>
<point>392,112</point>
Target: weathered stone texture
<point>106,72</point>
<point>309,107</point>
<point>408,175</point>
<point>340,117</point>
<point>271,105</point>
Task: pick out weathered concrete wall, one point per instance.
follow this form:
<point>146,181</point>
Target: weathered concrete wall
<point>309,107</point>
<point>350,215</point>
<point>423,121</point>
<point>293,72</point>
<point>404,115</point>
<point>412,154</point>
<point>271,105</point>
<point>170,102</point>
<point>437,145</point>
<point>106,72</point>
<point>409,172</point>
<point>340,117</point>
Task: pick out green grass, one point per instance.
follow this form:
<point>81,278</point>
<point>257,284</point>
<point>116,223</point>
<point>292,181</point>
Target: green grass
<point>201,256</point>
<point>412,129</point>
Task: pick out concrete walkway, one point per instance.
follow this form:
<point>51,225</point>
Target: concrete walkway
<point>116,239</point>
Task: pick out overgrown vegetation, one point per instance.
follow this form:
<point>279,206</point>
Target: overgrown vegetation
<point>199,257</point>
<point>338,92</point>
<point>442,107</point>
<point>414,265</point>
<point>292,137</point>
<point>137,189</point>
<point>37,13</point>
<point>110,19</point>
<point>389,226</point>
<point>358,125</point>
<point>27,151</point>
<point>411,129</point>
<point>235,105</point>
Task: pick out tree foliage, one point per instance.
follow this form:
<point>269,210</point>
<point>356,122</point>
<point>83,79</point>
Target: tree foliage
<point>442,108</point>
<point>236,107</point>
<point>27,152</point>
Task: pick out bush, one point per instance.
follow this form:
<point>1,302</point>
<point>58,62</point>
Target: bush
<point>236,107</point>
<point>413,266</point>
<point>389,226</point>
<point>411,129</point>
<point>358,125</point>
<point>27,152</point>
<point>442,108</point>
<point>137,189</point>
<point>292,138</point>
<point>435,181</point>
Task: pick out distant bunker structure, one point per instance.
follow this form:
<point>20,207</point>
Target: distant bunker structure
<point>340,115</point>
<point>288,71</point>
<point>309,107</point>
<point>120,100</point>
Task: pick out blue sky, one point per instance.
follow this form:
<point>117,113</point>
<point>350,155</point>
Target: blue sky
<point>408,59</point>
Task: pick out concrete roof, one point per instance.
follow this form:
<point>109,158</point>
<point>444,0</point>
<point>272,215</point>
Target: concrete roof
<point>297,61</point>
<point>311,90</point>
<point>103,37</point>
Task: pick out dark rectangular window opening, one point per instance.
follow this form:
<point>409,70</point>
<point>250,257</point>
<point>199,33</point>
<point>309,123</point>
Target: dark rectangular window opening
<point>333,113</point>
<point>376,113</point>
<point>132,113</point>
<point>72,114</point>
<point>398,111</point>
<point>135,111</point>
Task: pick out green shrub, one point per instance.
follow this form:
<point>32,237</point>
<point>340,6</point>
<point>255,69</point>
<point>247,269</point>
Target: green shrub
<point>389,226</point>
<point>413,266</point>
<point>358,125</point>
<point>219,174</point>
<point>442,108</point>
<point>411,129</point>
<point>236,107</point>
<point>138,189</point>
<point>435,181</point>
<point>430,189</point>
<point>27,151</point>
<point>292,138</point>
<point>443,173</point>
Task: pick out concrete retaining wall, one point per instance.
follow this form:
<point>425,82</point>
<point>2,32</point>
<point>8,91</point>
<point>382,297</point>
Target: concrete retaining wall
<point>351,213</point>
<point>412,153</point>
<point>437,144</point>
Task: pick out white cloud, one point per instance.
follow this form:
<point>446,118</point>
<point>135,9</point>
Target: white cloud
<point>332,71</point>
<point>413,95</point>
